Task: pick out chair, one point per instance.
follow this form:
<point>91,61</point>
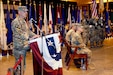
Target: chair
<point>73,55</point>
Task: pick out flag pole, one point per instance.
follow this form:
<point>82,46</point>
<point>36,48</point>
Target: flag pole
<point>20,3</point>
<point>4,35</point>
<point>45,19</point>
<point>14,13</point>
<point>14,4</point>
<point>41,33</point>
<point>101,7</point>
<point>107,5</point>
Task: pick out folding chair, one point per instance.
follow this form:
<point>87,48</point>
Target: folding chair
<point>72,56</point>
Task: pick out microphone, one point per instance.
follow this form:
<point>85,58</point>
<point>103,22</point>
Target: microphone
<point>35,24</point>
<point>32,21</point>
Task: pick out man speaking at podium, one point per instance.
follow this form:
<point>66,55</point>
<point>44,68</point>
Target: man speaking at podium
<point>21,34</point>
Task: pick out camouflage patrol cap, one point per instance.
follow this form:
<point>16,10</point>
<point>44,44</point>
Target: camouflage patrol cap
<point>22,8</point>
<point>73,24</point>
<point>78,25</point>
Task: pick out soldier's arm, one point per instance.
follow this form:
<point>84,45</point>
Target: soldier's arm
<point>68,35</point>
<point>32,35</point>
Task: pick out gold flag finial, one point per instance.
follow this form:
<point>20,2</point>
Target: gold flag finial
<point>107,5</point>
<point>8,5</point>
<point>26,2</point>
<point>34,3</point>
<point>8,1</point>
<point>13,2</point>
<point>20,3</point>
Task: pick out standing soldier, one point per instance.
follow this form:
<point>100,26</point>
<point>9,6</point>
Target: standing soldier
<point>21,34</point>
<point>101,30</point>
<point>93,32</point>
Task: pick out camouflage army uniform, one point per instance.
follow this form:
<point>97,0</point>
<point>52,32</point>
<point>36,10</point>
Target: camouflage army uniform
<point>77,41</point>
<point>92,34</point>
<point>21,34</point>
<point>97,38</point>
<point>69,35</point>
<point>101,30</point>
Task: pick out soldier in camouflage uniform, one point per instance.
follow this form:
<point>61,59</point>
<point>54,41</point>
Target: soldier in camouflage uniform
<point>85,34</point>
<point>77,40</point>
<point>21,34</point>
<point>69,34</point>
<point>101,30</point>
<point>92,32</point>
<point>97,37</point>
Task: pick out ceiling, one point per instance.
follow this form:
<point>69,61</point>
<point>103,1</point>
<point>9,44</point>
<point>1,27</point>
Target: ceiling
<point>82,2</point>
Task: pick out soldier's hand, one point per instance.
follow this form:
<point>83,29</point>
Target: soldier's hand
<point>34,37</point>
<point>82,45</point>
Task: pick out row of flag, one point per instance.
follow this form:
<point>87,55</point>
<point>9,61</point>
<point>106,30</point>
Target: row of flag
<point>48,17</point>
<point>59,16</point>
<point>5,29</point>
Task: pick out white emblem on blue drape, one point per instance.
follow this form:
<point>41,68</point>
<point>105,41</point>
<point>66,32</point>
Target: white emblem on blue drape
<point>52,49</point>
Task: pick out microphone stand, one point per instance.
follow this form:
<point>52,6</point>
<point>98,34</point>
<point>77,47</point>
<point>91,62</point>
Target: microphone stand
<point>42,34</point>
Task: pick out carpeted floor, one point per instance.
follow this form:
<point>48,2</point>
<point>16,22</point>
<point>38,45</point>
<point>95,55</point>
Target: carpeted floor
<point>102,59</point>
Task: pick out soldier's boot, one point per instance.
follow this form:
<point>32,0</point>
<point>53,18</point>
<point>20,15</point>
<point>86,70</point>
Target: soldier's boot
<point>92,45</point>
<point>97,44</point>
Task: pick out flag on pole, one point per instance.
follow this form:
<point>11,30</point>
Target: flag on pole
<point>45,19</point>
<point>69,17</point>
<point>8,25</point>
<point>35,18</point>
<point>101,6</point>
<point>27,5</point>
<point>30,17</point>
<point>73,15</point>
<point>107,19</point>
<point>52,61</point>
<point>94,9</point>
<point>13,11</point>
<point>40,16</point>
<point>3,30</point>
<point>63,20</point>
<point>79,15</point>
<point>35,15</point>
<point>58,17</point>
<point>30,12</point>
<point>50,19</point>
<point>106,22</point>
<point>53,17</point>
<point>84,11</point>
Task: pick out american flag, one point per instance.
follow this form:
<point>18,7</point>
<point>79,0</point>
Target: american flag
<point>94,9</point>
